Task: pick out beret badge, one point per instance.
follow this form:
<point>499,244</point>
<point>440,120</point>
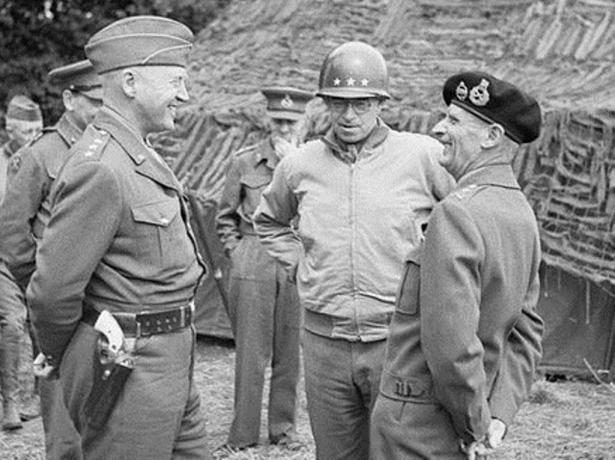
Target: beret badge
<point>479,95</point>
<point>462,91</point>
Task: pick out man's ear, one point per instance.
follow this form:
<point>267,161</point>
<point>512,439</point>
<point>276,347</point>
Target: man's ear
<point>495,136</point>
<point>67,100</point>
<point>128,80</point>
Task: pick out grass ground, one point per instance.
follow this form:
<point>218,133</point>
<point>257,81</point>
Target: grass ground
<point>565,420</point>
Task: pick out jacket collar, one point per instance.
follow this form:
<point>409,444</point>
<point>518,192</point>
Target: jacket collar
<point>500,174</point>
<point>147,162</point>
<point>266,152</point>
<point>68,129</point>
<point>9,148</point>
<point>340,149</point>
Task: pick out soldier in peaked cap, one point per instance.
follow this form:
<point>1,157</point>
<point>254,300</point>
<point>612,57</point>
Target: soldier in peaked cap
<point>362,193</point>
<point>23,122</point>
<point>118,241</point>
<point>465,338</point>
<point>25,212</point>
<point>264,308</point>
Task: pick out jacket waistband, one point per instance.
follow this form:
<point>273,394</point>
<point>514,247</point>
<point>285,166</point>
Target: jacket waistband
<point>330,326</point>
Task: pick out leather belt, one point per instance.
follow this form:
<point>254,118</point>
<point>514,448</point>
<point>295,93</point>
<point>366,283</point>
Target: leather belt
<point>147,323</point>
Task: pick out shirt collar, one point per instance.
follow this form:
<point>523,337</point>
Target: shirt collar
<point>374,139</point>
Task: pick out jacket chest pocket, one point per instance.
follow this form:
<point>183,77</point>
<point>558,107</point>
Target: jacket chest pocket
<point>252,186</point>
<point>407,301</point>
<point>160,232</point>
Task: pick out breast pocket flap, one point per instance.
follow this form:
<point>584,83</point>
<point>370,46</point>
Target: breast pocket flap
<point>160,213</point>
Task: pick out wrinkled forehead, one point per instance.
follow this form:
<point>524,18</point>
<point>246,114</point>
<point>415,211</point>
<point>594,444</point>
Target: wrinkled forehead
<point>460,114</point>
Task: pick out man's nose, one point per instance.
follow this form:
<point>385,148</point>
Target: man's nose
<point>182,93</point>
<point>438,130</point>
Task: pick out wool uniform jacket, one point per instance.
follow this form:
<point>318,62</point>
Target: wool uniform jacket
<point>25,210</point>
<point>118,237</point>
<point>465,333</point>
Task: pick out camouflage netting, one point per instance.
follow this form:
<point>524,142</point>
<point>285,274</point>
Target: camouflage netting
<point>560,51</point>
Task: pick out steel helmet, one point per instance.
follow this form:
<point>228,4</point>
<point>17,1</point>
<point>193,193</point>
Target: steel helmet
<point>354,70</point>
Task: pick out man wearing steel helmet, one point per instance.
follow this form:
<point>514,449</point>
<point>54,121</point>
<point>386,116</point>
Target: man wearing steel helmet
<point>25,211</point>
<point>362,194</point>
<point>117,267</point>
<point>465,337</point>
<point>263,304</point>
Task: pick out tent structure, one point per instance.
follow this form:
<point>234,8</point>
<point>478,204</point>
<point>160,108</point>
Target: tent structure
<point>562,51</point>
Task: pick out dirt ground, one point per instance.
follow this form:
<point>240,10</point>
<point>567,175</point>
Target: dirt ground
<point>563,420</point>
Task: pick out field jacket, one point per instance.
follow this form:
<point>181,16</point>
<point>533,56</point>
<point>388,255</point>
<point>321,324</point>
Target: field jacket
<point>356,222</point>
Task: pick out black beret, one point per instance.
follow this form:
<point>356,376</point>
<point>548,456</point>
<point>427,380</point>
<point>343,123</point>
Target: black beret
<point>495,101</point>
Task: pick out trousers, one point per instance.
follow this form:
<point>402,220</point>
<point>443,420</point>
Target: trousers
<point>12,321</point>
<point>158,414</point>
<point>265,318</point>
<point>342,379</point>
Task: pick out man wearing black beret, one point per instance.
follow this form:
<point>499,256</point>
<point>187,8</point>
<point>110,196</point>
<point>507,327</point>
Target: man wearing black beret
<point>465,338</point>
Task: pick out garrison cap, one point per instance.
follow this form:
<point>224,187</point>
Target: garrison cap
<point>139,41</point>
<point>78,76</point>
<point>285,102</point>
<point>495,101</point>
<point>23,108</point>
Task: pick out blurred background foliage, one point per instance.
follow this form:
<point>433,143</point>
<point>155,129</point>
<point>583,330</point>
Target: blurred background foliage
<point>38,35</point>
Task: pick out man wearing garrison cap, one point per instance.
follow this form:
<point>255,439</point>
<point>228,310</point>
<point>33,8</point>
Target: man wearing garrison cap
<point>118,254</point>
<point>23,122</point>
<point>25,211</point>
<point>263,304</point>
<point>465,339</point>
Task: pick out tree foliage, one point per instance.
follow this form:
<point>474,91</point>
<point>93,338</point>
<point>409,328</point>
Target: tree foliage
<point>38,35</point>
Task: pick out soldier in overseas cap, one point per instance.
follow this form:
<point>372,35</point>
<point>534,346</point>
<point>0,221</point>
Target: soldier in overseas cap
<point>263,303</point>
<point>361,194</point>
<point>465,338</point>
<point>112,293</point>
<point>23,123</point>
<point>25,212</point>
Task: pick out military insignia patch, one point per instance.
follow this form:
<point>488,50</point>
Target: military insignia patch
<point>287,102</point>
<point>462,91</point>
<point>479,94</point>
<point>15,163</point>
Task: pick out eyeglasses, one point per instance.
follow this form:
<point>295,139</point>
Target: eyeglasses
<point>360,106</point>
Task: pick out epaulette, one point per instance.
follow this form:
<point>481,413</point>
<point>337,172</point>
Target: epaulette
<point>243,150</point>
<point>93,143</point>
<point>467,192</point>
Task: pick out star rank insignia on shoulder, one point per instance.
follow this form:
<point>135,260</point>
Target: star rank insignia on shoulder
<point>97,141</point>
